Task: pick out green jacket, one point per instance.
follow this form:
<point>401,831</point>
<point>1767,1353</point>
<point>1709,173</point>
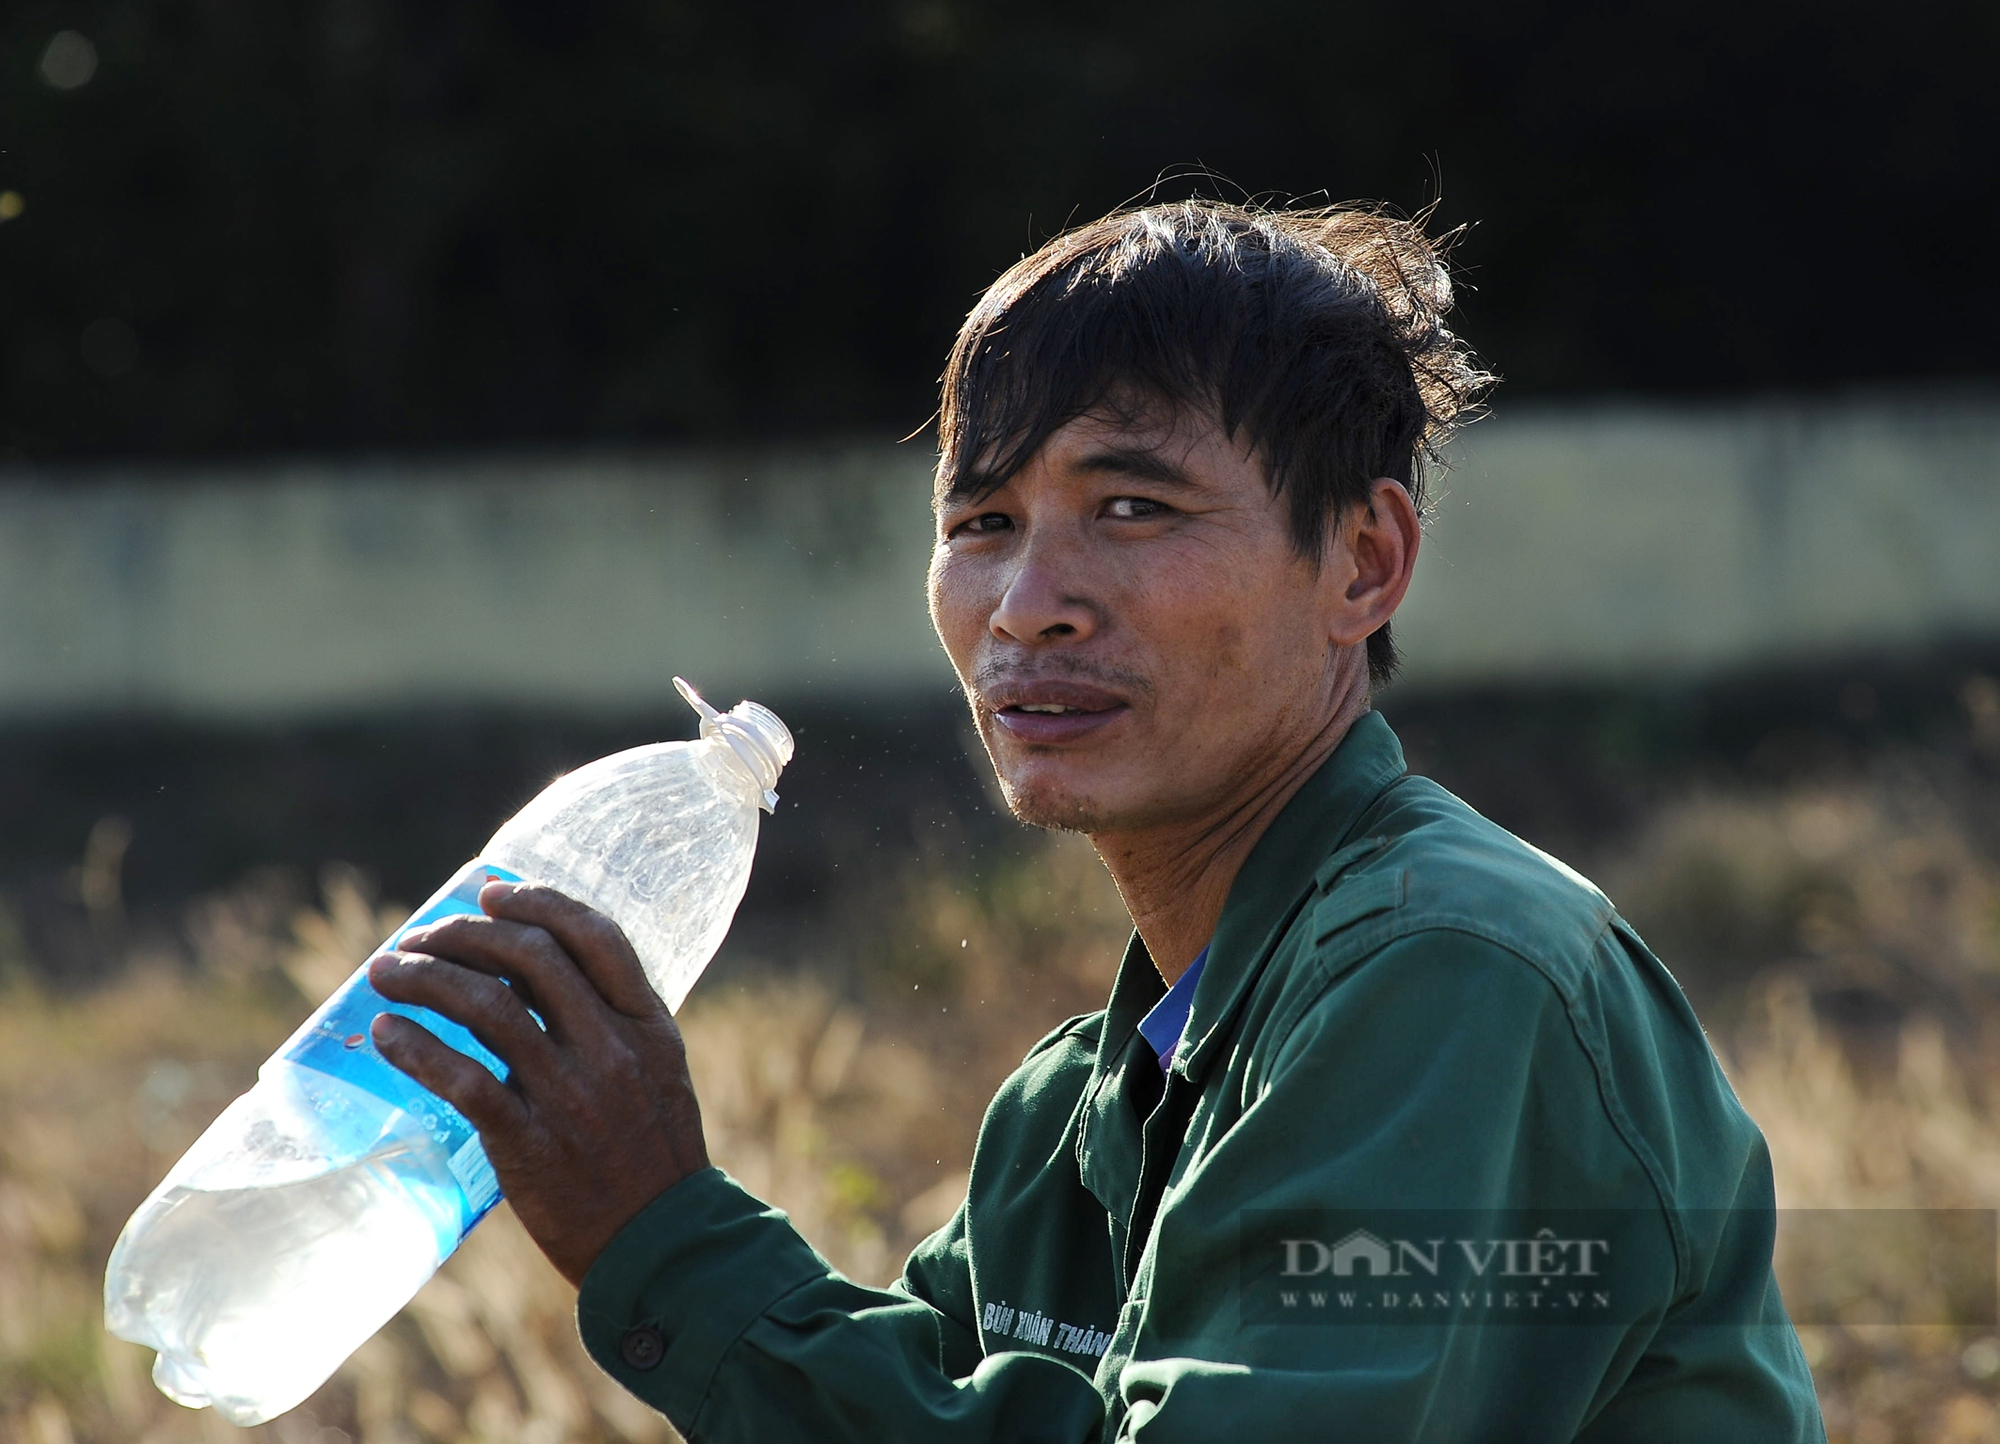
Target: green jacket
<point>1443,1155</point>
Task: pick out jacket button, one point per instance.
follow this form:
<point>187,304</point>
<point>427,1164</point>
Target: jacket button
<point>643,1347</point>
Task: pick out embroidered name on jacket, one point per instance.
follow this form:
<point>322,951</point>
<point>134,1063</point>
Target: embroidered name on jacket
<point>1003,1321</point>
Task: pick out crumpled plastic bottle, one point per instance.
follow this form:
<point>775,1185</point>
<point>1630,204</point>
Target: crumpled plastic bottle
<point>319,1202</point>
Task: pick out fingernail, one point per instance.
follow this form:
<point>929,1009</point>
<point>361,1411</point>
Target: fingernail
<point>500,888</point>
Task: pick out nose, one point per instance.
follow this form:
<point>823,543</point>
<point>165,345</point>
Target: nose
<point>1041,605</point>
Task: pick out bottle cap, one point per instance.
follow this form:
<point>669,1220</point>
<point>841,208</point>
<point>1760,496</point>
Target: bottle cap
<point>760,741</point>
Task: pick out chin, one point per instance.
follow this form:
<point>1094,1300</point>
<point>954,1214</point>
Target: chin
<point>1057,808</point>
<point>1066,792</point>
<point>1045,794</point>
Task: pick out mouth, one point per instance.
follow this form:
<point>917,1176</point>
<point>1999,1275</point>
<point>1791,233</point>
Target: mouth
<point>1052,712</point>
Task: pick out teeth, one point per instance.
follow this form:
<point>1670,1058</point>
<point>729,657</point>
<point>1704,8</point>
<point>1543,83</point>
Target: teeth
<point>1043,707</point>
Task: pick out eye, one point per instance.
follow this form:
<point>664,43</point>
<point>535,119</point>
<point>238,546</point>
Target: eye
<point>1135,508</point>
<point>984,524</point>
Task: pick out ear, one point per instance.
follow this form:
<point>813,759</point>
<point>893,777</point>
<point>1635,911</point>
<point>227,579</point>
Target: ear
<point>1373,554</point>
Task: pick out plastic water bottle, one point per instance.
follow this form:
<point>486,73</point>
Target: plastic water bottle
<point>320,1201</point>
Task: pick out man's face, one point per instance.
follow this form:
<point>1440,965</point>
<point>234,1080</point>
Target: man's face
<point>1140,640</point>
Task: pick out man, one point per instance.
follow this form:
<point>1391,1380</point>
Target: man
<point>1392,1129</point>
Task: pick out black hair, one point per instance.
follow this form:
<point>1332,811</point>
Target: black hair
<point>1316,336</point>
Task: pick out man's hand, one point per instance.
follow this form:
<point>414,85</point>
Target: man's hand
<point>597,1117</point>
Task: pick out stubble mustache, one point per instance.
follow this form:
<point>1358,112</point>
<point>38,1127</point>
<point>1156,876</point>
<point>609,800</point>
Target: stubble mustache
<point>988,676</point>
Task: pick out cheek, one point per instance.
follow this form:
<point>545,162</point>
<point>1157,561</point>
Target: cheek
<point>957,612</point>
<point>1207,618</point>
<point>1251,643</point>
<point>1227,645</point>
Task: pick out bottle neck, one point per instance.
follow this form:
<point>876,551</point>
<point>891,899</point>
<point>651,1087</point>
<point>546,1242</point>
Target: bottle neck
<point>755,738</point>
<point>754,744</point>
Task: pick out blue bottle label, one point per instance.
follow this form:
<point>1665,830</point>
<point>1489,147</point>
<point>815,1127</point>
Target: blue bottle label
<point>336,1040</point>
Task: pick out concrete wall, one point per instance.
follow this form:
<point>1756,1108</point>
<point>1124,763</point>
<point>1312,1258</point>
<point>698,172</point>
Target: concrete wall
<point>1627,541</point>
<point>1574,543</point>
<point>590,581</point>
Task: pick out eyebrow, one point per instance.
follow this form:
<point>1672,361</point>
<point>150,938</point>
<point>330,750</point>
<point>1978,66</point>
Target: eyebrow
<point>1141,462</point>
<point>1138,461</point>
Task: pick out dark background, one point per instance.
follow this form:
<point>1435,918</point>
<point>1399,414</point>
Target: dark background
<point>357,224</point>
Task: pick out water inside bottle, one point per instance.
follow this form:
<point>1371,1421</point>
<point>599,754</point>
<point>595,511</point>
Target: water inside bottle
<point>320,1266</point>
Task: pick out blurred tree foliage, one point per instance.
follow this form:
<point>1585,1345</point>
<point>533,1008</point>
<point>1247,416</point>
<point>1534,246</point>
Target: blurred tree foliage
<point>348,223</point>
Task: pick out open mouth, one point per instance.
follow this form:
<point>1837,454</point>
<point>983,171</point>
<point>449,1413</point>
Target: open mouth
<point>1054,711</point>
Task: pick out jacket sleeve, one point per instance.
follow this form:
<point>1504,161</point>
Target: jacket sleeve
<point>1447,1089</point>
<point>710,1307</point>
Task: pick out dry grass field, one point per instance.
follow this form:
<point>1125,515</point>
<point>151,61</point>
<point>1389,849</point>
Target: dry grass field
<point>1845,938</point>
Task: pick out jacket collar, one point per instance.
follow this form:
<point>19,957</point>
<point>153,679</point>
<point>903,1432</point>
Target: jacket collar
<point>1280,871</point>
<point>1303,846</point>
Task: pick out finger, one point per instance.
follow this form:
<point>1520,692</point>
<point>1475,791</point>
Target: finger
<point>544,975</point>
<point>598,944</point>
<point>465,1083</point>
<point>482,1005</point>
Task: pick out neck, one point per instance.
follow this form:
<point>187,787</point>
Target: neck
<point>1175,878</point>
